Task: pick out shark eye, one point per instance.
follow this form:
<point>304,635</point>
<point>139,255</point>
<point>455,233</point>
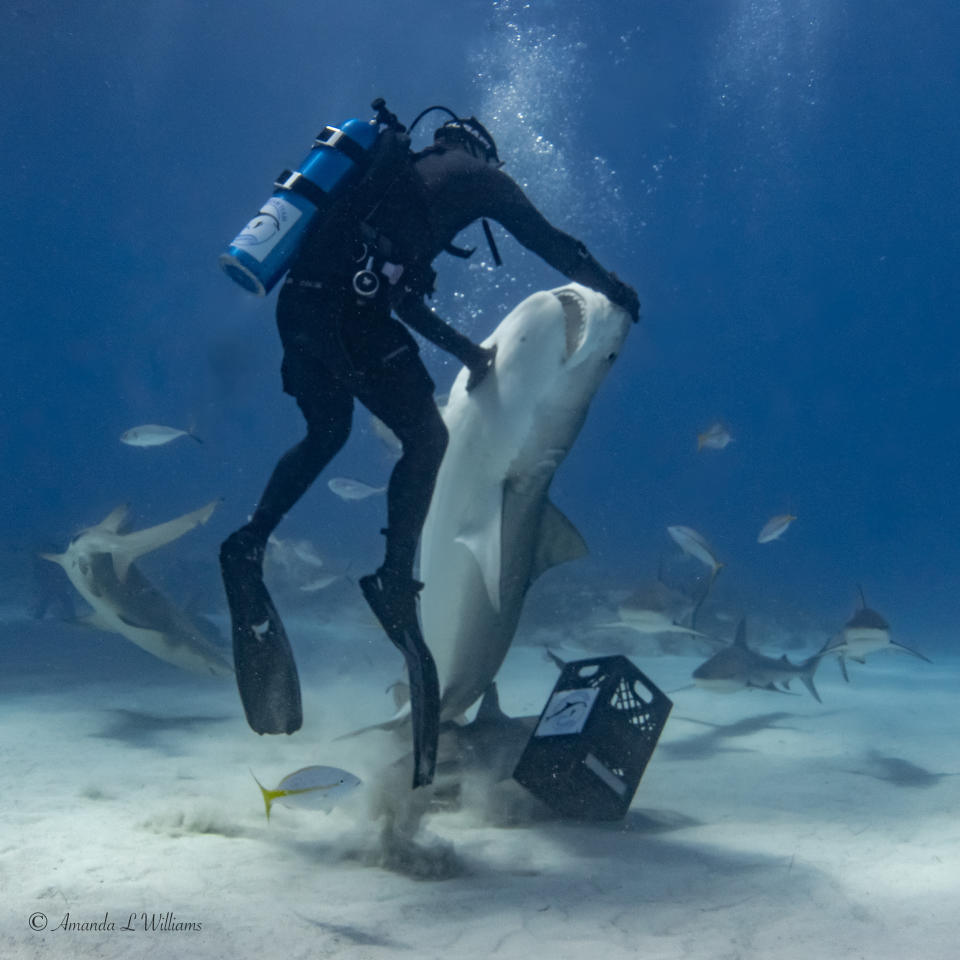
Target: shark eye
<point>574,315</point>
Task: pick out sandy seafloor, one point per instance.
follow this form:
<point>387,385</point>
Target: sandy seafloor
<point>766,826</point>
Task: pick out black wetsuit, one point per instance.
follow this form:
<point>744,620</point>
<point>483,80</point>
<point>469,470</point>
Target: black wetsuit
<point>338,347</point>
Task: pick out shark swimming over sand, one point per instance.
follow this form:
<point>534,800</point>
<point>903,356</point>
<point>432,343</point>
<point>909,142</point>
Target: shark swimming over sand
<point>865,632</point>
<point>100,563</point>
<point>738,667</point>
<point>655,608</point>
<point>491,529</point>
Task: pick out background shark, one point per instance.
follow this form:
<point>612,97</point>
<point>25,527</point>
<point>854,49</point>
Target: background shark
<point>491,529</point>
<point>865,632</point>
<point>737,666</point>
<point>99,563</point>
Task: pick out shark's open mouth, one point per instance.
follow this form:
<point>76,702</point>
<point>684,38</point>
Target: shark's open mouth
<point>574,315</point>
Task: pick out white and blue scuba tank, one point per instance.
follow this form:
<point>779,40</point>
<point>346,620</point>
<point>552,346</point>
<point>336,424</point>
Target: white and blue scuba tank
<point>264,250</point>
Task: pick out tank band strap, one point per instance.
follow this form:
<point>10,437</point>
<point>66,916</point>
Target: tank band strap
<point>296,182</point>
<point>335,137</point>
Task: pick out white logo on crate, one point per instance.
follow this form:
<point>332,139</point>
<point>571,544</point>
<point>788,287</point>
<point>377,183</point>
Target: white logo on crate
<point>566,712</point>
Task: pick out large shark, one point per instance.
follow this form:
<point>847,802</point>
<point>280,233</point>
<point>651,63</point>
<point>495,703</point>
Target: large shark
<point>865,632</point>
<point>737,667</point>
<point>100,563</point>
<point>491,529</point>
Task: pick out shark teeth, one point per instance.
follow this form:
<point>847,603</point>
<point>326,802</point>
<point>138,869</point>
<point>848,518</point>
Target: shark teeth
<point>575,314</point>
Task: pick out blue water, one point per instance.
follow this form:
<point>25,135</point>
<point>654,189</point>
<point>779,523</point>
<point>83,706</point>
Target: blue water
<point>778,180</point>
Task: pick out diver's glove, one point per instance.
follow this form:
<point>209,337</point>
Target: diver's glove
<point>480,365</point>
<point>623,295</point>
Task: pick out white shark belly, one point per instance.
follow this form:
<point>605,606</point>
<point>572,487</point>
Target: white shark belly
<point>861,641</point>
<point>720,684</point>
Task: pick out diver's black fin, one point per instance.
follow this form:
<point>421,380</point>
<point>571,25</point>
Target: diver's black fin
<point>393,601</point>
<point>266,671</point>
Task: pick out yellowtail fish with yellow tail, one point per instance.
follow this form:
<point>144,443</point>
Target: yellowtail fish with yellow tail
<point>692,543</point>
<point>310,788</point>
<point>716,438</point>
<point>775,527</point>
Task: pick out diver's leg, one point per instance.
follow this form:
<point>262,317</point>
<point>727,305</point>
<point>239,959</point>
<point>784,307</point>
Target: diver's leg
<point>266,670</point>
<point>404,401</point>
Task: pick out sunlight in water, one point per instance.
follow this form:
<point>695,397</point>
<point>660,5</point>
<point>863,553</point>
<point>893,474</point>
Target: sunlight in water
<point>771,53</point>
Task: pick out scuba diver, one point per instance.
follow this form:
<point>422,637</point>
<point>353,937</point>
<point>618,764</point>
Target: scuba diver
<point>356,282</point>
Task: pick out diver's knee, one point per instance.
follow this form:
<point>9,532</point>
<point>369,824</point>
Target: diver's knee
<point>323,440</point>
<point>436,437</point>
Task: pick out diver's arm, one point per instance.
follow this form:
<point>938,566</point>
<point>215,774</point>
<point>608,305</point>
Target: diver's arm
<point>510,207</point>
<point>418,316</point>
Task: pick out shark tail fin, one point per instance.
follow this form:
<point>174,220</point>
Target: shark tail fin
<point>807,678</point>
<point>810,668</point>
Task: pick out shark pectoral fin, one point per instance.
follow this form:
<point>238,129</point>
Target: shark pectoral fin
<point>115,519</point>
<point>95,621</point>
<point>481,535</point>
<point>559,542</point>
<point>490,711</point>
<point>130,622</point>
<point>133,545</point>
<point>53,557</point>
<point>900,648</point>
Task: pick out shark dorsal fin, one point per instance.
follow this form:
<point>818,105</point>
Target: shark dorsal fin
<point>559,542</point>
<point>740,640</point>
<point>490,711</point>
<point>133,545</point>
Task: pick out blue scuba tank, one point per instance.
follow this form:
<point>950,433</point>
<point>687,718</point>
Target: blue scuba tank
<point>263,251</point>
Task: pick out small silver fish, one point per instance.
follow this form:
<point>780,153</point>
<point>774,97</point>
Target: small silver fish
<point>716,438</point>
<point>388,438</point>
<point>153,435</point>
<point>775,527</point>
<point>348,489</point>
<point>320,583</point>
<point>310,788</point>
<point>692,543</point>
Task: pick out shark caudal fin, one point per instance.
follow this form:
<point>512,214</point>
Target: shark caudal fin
<point>810,668</point>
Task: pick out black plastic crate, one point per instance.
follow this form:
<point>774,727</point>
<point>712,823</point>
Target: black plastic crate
<point>594,739</point>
